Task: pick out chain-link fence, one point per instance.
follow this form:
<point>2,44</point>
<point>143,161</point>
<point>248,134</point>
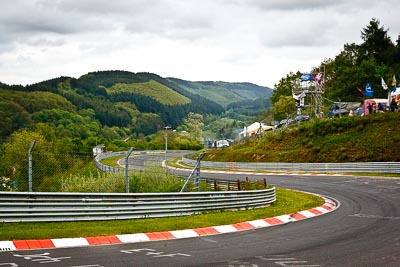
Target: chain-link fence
<point>21,171</point>
<point>38,169</point>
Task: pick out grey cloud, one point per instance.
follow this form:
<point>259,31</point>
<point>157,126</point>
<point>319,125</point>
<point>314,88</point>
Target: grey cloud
<point>303,33</point>
<point>102,7</point>
<point>185,21</point>
<point>286,5</point>
<point>24,21</point>
<point>43,41</point>
<point>167,18</point>
<point>225,29</point>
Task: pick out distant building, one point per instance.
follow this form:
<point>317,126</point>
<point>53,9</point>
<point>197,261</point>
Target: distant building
<point>99,149</point>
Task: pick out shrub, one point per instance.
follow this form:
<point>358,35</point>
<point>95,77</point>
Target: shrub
<point>6,184</point>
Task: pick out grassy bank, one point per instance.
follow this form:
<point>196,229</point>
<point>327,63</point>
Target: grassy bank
<point>373,138</point>
<point>288,201</point>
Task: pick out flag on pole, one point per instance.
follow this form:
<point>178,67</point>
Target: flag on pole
<point>384,85</point>
<point>394,83</point>
<point>306,77</point>
<point>368,90</point>
<point>318,77</point>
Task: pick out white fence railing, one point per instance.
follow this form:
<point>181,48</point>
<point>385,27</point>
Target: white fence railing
<point>345,167</point>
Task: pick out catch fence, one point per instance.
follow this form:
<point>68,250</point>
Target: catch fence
<point>40,171</point>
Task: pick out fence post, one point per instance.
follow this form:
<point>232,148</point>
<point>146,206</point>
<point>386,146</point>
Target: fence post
<point>196,171</point>
<point>238,184</point>
<point>30,165</point>
<point>126,169</point>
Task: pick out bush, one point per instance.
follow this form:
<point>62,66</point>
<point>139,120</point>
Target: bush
<point>6,184</point>
<point>152,179</point>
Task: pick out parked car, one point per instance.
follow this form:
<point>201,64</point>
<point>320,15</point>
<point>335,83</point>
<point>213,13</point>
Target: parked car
<point>335,110</point>
<point>359,111</point>
<point>300,118</point>
<point>284,122</point>
<point>221,143</point>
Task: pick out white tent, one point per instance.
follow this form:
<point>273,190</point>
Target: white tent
<point>254,129</point>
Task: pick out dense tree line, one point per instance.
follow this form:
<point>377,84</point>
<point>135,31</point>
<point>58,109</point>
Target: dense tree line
<point>249,107</point>
<point>199,104</point>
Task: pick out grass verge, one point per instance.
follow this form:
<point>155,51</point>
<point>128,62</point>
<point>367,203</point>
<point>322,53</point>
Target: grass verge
<point>288,201</point>
<point>112,161</point>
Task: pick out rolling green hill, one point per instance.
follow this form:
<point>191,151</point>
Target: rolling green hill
<point>140,103</point>
<point>223,92</point>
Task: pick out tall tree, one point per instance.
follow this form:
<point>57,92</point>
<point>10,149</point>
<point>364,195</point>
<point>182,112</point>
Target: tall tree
<point>285,86</point>
<point>376,42</point>
<point>285,106</point>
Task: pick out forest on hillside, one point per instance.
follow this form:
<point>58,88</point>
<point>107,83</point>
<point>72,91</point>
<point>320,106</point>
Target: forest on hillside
<point>88,99</point>
<point>120,109</point>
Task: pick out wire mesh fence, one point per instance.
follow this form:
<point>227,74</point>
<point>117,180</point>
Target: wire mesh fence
<point>33,167</point>
<point>44,172</point>
<point>49,172</point>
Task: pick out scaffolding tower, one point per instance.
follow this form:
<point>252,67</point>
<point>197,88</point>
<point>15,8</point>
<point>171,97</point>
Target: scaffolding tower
<point>308,93</point>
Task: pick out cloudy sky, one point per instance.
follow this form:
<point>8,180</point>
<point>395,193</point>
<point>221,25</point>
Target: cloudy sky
<point>258,41</point>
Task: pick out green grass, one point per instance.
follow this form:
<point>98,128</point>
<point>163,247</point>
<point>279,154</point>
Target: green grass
<point>288,201</point>
<point>112,161</point>
<point>371,138</point>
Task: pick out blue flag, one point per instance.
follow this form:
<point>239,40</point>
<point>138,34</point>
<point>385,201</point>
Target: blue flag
<point>368,90</point>
<point>306,77</point>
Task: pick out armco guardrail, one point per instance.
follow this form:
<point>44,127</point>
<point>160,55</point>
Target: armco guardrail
<point>105,168</point>
<point>33,207</point>
<point>346,167</point>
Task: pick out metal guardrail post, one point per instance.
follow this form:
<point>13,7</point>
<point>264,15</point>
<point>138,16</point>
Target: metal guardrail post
<point>30,165</point>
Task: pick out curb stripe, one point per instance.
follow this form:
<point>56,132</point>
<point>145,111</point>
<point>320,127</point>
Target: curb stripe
<point>273,221</point>
<point>259,223</point>
<point>133,238</point>
<point>7,246</point>
<point>298,216</point>
<point>243,226</point>
<point>206,231</point>
<point>70,242</point>
<point>184,233</point>
<point>225,229</point>
<point>328,206</point>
